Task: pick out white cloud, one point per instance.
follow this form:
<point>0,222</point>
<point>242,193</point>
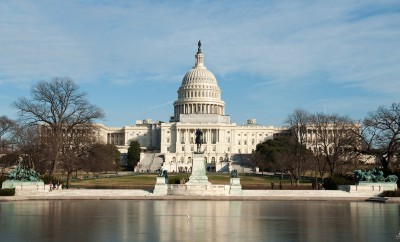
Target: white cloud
<point>281,43</point>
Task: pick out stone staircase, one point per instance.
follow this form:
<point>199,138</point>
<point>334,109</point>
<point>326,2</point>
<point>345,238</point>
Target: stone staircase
<point>145,162</point>
<point>238,162</point>
<point>157,162</point>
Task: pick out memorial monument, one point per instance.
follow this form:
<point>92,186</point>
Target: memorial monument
<point>161,187</point>
<point>198,176</point>
<point>25,181</point>
<point>235,186</point>
<point>372,181</point>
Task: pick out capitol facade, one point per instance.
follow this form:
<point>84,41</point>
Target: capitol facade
<point>170,146</point>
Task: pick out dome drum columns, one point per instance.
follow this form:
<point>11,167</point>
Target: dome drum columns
<point>198,109</point>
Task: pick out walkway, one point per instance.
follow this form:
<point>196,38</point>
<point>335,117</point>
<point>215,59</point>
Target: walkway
<point>127,194</point>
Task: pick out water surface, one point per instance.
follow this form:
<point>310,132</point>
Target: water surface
<point>109,220</point>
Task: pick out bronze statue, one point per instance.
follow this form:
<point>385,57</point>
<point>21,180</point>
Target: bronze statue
<point>234,174</point>
<point>199,140</point>
<point>199,45</point>
<point>163,173</point>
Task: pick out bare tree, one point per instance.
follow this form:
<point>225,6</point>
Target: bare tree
<point>298,122</point>
<point>7,127</point>
<point>60,106</point>
<point>103,158</point>
<point>335,140</point>
<point>75,149</point>
<point>381,134</point>
<point>257,160</point>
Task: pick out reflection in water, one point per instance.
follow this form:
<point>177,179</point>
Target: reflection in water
<point>197,221</point>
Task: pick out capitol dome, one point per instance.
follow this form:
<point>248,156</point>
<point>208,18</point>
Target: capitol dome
<point>199,92</point>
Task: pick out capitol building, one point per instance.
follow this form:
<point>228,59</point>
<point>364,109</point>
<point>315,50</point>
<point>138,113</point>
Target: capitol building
<point>199,105</point>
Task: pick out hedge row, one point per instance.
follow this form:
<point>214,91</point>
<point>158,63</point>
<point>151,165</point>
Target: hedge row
<point>7,192</point>
<point>390,193</point>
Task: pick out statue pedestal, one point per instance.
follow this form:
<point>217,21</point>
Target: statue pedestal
<point>235,186</point>
<point>198,176</point>
<point>369,187</point>
<point>161,187</point>
<point>26,187</point>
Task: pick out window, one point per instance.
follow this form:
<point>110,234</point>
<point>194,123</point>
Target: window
<point>191,148</point>
<point>183,148</point>
<point>168,148</point>
<point>245,142</point>
<point>168,140</point>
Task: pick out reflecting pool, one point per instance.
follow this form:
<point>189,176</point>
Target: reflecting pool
<point>168,220</point>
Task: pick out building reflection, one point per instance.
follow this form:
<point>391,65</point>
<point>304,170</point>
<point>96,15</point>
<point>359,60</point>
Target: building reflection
<point>179,220</point>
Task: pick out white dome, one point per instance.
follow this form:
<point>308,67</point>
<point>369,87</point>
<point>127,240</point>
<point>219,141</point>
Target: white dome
<point>199,76</point>
<point>199,92</point>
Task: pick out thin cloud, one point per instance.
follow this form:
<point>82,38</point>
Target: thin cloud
<point>279,44</point>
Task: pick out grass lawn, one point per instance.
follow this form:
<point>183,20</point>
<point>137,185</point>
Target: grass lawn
<point>147,181</point>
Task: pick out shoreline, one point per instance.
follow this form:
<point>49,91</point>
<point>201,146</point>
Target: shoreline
<point>248,195</point>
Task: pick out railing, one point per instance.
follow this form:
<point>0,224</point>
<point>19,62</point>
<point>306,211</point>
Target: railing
<point>152,160</point>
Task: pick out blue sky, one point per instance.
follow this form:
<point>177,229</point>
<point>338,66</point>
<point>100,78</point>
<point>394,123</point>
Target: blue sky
<point>269,57</point>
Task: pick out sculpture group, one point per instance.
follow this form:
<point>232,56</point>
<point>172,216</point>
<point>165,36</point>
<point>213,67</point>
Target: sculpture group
<point>374,175</point>
<point>22,174</point>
